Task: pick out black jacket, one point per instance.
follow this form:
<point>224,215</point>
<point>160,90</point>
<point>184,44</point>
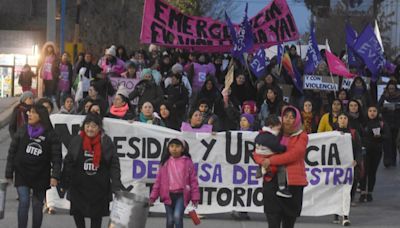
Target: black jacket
<point>178,97</point>
<point>34,161</point>
<point>90,194</point>
<point>147,91</point>
<point>25,78</point>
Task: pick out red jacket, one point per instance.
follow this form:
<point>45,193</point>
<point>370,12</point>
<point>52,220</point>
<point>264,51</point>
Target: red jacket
<point>293,159</point>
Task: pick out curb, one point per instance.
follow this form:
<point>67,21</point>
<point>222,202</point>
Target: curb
<point>5,116</point>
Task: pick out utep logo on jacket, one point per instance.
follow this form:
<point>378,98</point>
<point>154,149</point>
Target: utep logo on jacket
<point>88,165</point>
<point>34,148</point>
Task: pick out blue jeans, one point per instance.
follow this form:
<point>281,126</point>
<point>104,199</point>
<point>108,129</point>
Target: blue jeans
<point>174,212</point>
<point>24,195</point>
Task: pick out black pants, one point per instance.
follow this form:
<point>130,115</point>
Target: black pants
<point>276,219</point>
<point>372,161</point>
<point>357,174</point>
<point>49,86</point>
<point>80,222</point>
<point>394,132</point>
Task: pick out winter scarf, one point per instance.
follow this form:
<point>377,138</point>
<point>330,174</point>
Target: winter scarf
<point>35,131</point>
<point>93,146</point>
<point>144,119</point>
<point>120,112</point>
<point>307,121</point>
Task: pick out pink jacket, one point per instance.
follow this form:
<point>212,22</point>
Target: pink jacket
<point>205,128</point>
<point>161,186</point>
<point>118,68</point>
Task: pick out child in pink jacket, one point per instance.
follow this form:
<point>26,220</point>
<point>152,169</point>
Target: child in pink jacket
<point>176,183</point>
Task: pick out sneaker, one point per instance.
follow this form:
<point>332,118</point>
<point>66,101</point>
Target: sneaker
<point>369,197</point>
<point>336,219</point>
<point>363,198</point>
<point>285,193</point>
<point>346,221</point>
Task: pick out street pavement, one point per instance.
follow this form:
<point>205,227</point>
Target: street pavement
<point>383,212</point>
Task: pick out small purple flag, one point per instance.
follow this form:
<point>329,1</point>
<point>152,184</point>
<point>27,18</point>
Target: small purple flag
<point>298,83</point>
<point>258,63</point>
<point>368,48</point>
<point>313,55</point>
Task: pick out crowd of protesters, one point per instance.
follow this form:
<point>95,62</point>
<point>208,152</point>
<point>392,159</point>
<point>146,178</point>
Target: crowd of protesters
<point>186,91</point>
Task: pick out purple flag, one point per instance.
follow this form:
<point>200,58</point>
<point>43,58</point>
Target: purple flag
<point>351,36</point>
<point>258,63</point>
<point>313,55</point>
<point>297,82</point>
<point>368,48</point>
<point>242,40</point>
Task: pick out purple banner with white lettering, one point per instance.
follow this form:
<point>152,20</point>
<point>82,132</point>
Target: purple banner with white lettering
<point>258,63</point>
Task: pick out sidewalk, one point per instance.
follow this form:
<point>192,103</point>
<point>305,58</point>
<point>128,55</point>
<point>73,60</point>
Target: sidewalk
<point>7,105</point>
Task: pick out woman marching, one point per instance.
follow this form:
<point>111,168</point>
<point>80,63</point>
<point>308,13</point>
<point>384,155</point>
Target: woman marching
<point>176,183</point>
<point>91,172</point>
<point>284,211</point>
<point>34,161</point>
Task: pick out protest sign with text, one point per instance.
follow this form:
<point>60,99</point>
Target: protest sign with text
<point>224,164</point>
<point>164,25</point>
<point>317,82</point>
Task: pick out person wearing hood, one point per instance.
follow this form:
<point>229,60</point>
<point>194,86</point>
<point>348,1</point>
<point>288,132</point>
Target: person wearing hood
<point>34,164</point>
<point>250,107</point>
<point>25,78</point>
<point>358,90</point>
<point>389,103</point>
<point>246,122</point>
<point>147,89</point>
<point>121,108</point>
<point>177,68</point>
<point>91,173</point>
<point>19,116</point>
<point>280,210</point>
<point>110,63</point>
<point>210,92</point>
<point>309,117</point>
<point>68,106</point>
<point>176,94</point>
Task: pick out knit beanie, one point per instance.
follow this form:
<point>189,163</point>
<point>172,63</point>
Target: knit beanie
<point>252,105</point>
<point>146,71</point>
<point>25,95</point>
<point>111,51</point>
<point>177,68</point>
<point>249,117</point>
<point>123,91</point>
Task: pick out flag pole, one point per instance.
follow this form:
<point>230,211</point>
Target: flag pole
<point>333,81</point>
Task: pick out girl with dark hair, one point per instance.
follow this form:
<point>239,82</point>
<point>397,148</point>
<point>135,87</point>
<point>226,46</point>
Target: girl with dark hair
<point>68,106</point>
<point>122,54</point>
<point>91,172</point>
<point>342,125</point>
<point>242,88</point>
<point>328,120</point>
<point>47,103</point>
<point>34,162</point>
<point>269,81</point>
<point>95,108</point>
<point>19,116</point>
<point>356,116</point>
<point>272,105</point>
<point>177,95</point>
<point>376,133</point>
<point>389,103</point>
<point>176,183</point>
<point>343,96</point>
<point>169,118</point>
